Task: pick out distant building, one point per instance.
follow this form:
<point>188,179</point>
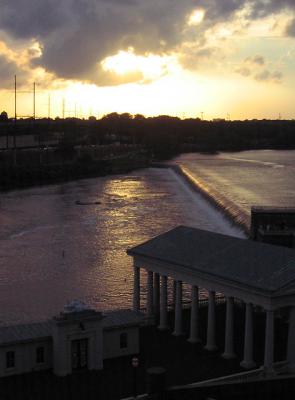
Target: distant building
<point>273,225</point>
<point>78,338</point>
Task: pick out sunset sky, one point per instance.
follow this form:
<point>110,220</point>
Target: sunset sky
<point>179,57</point>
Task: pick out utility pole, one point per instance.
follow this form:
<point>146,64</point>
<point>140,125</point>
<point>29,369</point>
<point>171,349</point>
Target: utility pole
<point>15,115</point>
<point>202,115</point>
<point>63,108</point>
<point>49,105</point>
<point>34,101</point>
<point>34,113</point>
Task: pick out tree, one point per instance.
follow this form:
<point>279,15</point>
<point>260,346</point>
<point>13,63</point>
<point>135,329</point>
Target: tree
<point>3,116</point>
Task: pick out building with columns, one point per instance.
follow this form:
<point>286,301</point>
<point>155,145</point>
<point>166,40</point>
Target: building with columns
<point>257,274</point>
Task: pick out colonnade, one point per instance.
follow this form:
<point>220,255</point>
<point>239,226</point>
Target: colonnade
<point>156,305</point>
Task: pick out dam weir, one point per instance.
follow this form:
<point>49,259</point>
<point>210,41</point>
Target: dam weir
<point>223,204</point>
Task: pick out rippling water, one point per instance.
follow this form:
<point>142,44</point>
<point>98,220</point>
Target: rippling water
<point>244,179</point>
<point>53,250</point>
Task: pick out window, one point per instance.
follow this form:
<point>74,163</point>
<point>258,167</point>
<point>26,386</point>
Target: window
<point>40,355</point>
<point>123,340</point>
<point>10,359</point>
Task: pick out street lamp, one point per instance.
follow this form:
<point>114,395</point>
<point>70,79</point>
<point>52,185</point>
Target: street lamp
<point>135,364</point>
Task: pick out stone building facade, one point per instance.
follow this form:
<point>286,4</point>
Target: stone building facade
<point>78,338</point>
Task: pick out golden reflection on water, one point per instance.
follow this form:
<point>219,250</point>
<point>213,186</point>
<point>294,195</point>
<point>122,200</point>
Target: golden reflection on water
<point>53,250</point>
<point>121,230</point>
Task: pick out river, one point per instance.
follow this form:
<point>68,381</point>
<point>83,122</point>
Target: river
<point>53,250</point>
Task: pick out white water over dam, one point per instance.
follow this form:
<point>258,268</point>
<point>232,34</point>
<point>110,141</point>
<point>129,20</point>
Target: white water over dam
<point>237,181</point>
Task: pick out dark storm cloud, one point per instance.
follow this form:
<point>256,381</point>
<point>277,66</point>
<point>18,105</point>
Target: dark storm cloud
<point>77,34</point>
<point>291,28</point>
<point>262,8</point>
<point>221,10</point>
<point>33,18</point>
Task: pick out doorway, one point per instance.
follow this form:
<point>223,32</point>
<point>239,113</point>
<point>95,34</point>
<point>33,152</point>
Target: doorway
<point>79,354</point>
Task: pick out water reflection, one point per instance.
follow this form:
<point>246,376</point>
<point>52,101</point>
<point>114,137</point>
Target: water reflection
<point>53,250</point>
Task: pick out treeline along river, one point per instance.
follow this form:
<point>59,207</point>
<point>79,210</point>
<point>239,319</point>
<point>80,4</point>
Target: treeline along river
<point>68,241</point>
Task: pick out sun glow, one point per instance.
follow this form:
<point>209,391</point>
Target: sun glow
<point>149,66</point>
<point>196,17</point>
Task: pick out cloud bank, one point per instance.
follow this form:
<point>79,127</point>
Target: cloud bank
<point>77,35</point>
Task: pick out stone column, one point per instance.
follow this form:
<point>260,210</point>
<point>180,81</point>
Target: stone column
<point>269,341</point>
<point>163,305</point>
<point>156,294</point>
<point>174,293</point>
<point>211,344</point>
<point>149,299</point>
<point>291,341</point>
<point>248,361</point>
<point>194,323</point>
<point>136,289</point>
<point>229,330</point>
<point>178,310</point>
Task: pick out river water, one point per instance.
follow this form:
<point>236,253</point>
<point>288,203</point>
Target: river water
<point>53,250</point>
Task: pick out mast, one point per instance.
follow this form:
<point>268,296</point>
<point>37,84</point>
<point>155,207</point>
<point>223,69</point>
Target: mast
<point>15,115</point>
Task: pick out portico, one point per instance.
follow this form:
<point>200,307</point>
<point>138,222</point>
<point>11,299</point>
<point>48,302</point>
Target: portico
<point>257,274</point>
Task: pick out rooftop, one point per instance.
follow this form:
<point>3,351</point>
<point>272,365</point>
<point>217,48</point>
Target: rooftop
<point>119,318</point>
<point>258,265</point>
<point>272,209</point>
<point>25,332</point>
<point>43,329</point>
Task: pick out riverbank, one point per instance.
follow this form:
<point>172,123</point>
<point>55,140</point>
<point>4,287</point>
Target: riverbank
<point>24,176</point>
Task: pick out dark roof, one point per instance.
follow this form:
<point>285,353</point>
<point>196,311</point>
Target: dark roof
<point>121,318</point>
<point>43,330</point>
<point>23,333</point>
<point>271,209</point>
<point>250,263</point>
